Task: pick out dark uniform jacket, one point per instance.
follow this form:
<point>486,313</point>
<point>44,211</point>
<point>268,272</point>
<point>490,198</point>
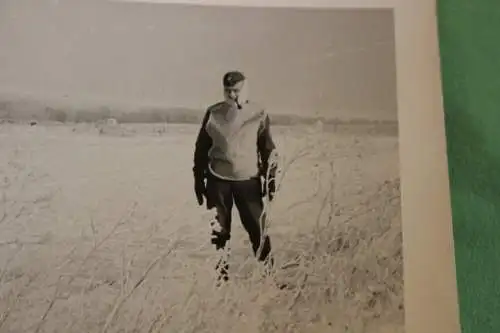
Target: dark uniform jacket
<point>233,144</point>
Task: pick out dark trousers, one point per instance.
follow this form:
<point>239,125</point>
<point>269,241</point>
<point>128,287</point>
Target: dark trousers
<point>246,195</point>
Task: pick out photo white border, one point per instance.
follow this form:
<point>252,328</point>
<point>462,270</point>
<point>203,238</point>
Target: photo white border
<point>280,3</point>
<point>431,302</point>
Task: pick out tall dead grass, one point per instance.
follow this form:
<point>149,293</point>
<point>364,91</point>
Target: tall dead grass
<point>343,271</point>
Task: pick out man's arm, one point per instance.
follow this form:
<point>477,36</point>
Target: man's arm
<point>202,146</point>
<point>265,146</point>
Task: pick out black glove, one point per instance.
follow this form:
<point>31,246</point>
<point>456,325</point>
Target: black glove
<point>270,185</point>
<point>270,188</point>
<point>200,189</point>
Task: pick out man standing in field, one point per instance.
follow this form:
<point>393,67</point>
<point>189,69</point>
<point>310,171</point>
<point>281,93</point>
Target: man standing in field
<point>231,162</point>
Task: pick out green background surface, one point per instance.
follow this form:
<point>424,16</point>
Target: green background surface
<point>469,32</point>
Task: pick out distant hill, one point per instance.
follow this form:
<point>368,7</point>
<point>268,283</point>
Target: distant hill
<point>28,108</point>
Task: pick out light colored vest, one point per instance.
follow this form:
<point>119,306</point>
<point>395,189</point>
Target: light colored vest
<point>234,133</point>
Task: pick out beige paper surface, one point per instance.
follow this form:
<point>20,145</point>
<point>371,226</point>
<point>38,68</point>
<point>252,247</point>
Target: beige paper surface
<point>430,285</point>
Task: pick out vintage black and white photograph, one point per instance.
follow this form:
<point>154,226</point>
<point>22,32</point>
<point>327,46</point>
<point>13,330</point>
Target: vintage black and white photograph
<point>198,168</point>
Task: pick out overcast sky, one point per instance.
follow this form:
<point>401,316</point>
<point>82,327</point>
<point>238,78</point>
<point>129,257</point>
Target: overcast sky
<point>333,62</point>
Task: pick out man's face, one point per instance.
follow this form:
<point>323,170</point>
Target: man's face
<point>232,94</point>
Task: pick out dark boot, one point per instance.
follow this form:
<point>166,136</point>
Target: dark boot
<point>222,269</point>
<point>220,194</point>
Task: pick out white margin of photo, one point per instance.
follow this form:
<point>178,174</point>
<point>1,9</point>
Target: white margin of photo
<point>431,302</point>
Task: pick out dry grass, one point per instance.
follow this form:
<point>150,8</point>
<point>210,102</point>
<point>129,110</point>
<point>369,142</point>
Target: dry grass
<point>100,232</point>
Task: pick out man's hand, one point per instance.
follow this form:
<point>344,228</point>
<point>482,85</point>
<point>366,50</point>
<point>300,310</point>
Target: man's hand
<point>200,190</point>
<point>269,187</point>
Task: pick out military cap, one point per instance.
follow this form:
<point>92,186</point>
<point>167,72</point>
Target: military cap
<point>232,78</point>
